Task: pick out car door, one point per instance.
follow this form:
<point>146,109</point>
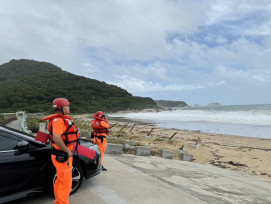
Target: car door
<point>17,170</point>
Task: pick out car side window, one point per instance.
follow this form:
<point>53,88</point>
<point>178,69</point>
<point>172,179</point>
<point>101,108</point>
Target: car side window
<point>7,142</point>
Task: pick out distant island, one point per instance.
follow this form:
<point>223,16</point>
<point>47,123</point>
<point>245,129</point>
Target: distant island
<point>170,104</point>
<point>214,104</point>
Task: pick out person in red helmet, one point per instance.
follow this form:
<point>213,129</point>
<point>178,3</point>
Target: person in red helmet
<point>65,138</point>
<point>100,128</point>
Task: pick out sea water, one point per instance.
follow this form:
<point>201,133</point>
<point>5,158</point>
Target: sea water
<point>240,120</point>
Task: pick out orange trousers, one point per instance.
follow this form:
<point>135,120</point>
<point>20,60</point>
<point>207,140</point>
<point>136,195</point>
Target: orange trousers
<point>102,146</point>
<point>63,183</point>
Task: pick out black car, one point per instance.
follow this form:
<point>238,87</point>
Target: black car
<point>26,167</point>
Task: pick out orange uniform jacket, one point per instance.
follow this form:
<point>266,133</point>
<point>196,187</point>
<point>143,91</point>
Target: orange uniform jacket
<point>63,183</point>
<point>103,126</point>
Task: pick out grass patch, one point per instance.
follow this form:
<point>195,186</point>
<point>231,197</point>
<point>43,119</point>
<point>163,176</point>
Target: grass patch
<point>245,147</point>
<point>118,134</point>
<point>33,124</point>
<point>154,152</point>
<point>114,140</point>
<point>135,137</point>
<point>170,142</point>
<point>128,151</point>
<point>138,144</point>
<point>158,140</point>
<point>2,117</point>
<point>85,133</point>
<point>83,126</point>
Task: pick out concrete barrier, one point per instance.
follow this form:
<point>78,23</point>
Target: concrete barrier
<point>142,151</point>
<point>166,154</point>
<point>185,156</point>
<point>114,148</point>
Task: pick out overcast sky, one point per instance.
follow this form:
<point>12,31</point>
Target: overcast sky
<point>190,50</point>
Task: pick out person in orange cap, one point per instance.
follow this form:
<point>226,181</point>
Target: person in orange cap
<point>64,138</point>
<point>100,128</point>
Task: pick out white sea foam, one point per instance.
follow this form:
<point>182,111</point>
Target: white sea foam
<point>236,117</point>
<point>247,120</point>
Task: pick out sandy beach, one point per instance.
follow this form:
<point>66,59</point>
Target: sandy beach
<point>243,154</point>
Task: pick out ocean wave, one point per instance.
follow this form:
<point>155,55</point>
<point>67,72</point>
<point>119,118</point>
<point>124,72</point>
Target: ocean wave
<point>252,117</point>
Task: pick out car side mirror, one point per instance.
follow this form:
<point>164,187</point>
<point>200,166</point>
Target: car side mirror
<point>23,146</point>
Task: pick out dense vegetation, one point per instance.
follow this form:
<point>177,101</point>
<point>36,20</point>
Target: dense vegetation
<point>2,117</point>
<point>32,86</point>
<point>33,124</point>
<point>171,104</point>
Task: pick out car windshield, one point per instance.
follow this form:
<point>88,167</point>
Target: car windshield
<point>20,134</point>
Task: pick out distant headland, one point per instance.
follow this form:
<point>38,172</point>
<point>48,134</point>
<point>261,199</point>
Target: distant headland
<point>171,104</point>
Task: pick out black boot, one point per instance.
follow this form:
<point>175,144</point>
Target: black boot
<point>104,169</point>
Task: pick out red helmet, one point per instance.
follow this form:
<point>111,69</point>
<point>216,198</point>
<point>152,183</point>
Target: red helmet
<point>60,102</point>
<point>99,115</point>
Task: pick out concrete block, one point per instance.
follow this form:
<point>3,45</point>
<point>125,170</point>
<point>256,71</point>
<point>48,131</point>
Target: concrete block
<point>142,151</point>
<point>185,156</point>
<point>166,154</point>
<point>114,148</point>
<point>183,151</point>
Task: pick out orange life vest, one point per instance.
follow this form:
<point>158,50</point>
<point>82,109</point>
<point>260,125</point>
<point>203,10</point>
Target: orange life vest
<point>98,129</point>
<point>70,136</point>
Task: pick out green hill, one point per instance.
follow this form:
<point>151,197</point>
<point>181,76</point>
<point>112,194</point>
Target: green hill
<point>32,86</point>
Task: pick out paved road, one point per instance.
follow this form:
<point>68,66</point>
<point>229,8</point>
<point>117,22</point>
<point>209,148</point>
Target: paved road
<point>204,182</point>
<point>135,179</point>
<point>16,124</point>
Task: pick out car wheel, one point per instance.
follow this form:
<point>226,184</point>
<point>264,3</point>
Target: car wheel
<point>77,177</point>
